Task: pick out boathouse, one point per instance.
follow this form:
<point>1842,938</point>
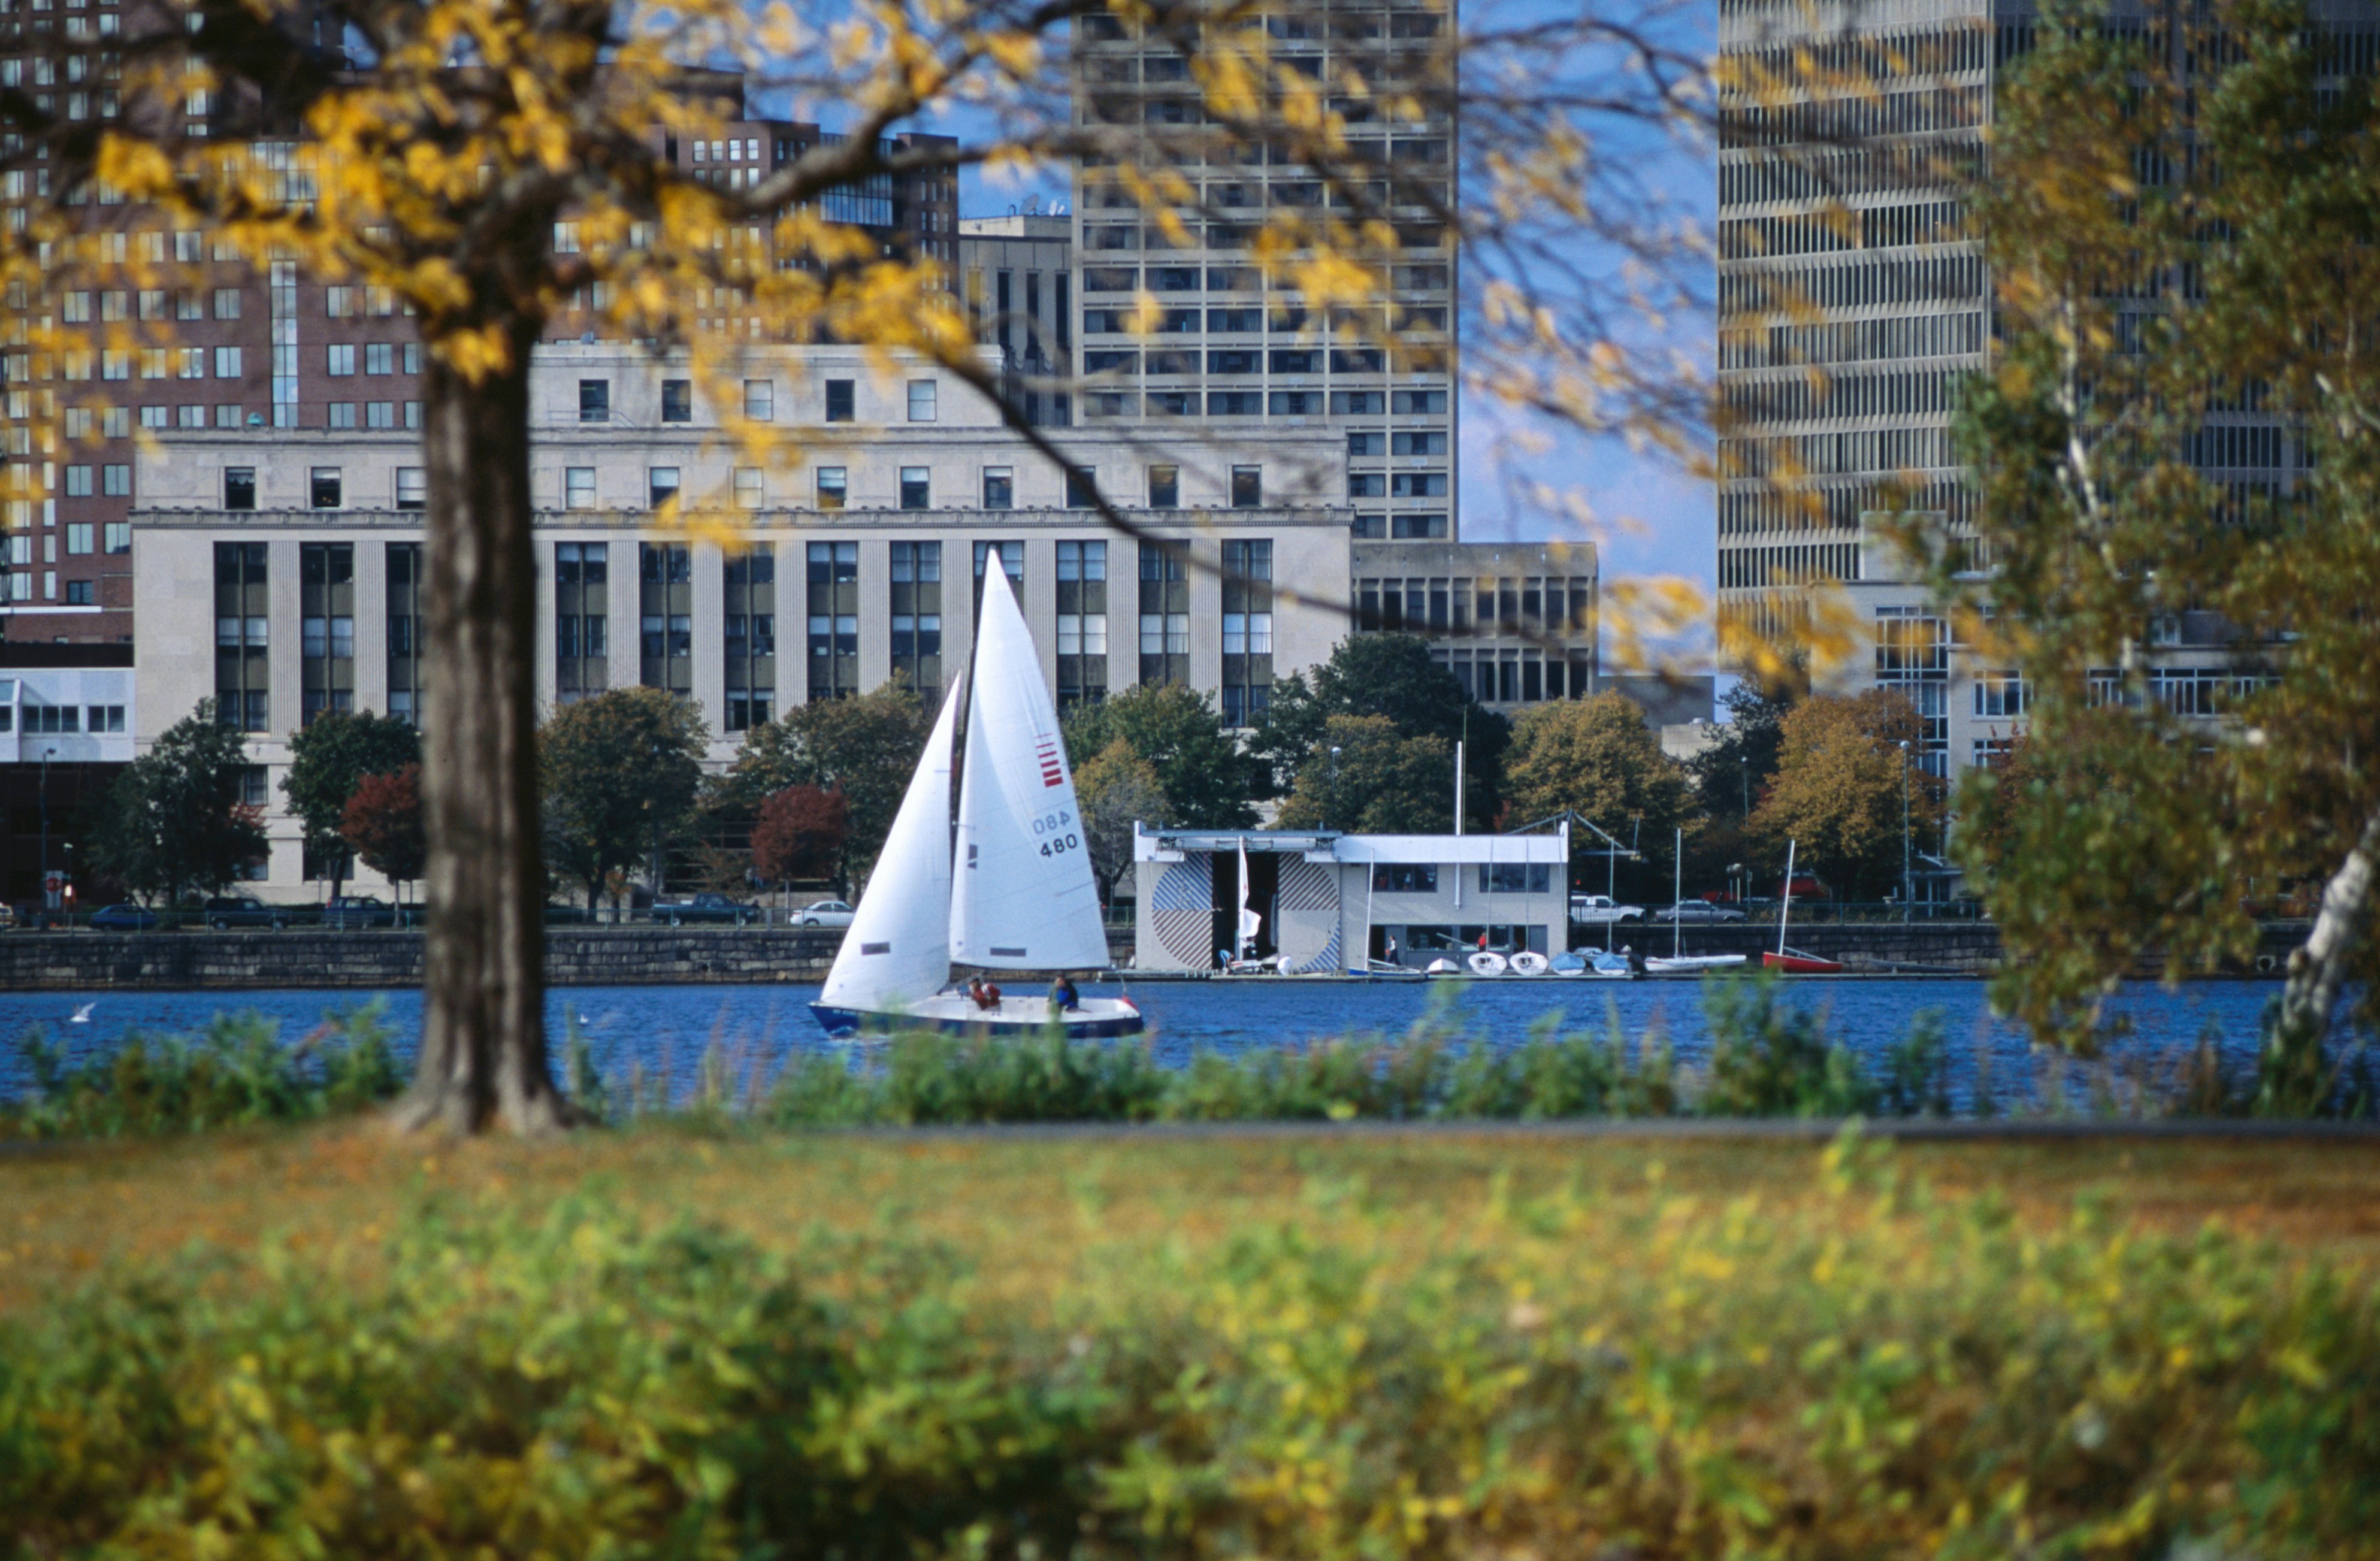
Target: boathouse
<point>1325,902</point>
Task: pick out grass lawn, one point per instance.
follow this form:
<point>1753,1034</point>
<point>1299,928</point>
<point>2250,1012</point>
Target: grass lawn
<point>1023,1211</point>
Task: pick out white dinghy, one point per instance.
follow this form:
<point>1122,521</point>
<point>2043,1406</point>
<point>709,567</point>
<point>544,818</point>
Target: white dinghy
<point>1018,895</point>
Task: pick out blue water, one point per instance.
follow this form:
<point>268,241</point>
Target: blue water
<point>667,1029</point>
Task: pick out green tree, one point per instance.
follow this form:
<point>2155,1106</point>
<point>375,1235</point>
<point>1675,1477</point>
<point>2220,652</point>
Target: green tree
<point>328,758</point>
<point>175,820</point>
<point>381,823</point>
<point>867,748</point>
<point>1598,758</point>
<point>623,771</point>
<point>1209,782</point>
<point>1388,675</point>
<point>1731,774</point>
<point>1837,791</point>
<point>1386,782</point>
<point>2142,317</point>
<point>1117,789</point>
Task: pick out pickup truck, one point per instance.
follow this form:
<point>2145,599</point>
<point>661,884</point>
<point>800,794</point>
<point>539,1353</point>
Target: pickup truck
<point>704,908</point>
<point>1598,910</point>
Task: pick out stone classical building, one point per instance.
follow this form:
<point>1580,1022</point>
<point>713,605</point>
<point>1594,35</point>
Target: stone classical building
<point>280,573</point>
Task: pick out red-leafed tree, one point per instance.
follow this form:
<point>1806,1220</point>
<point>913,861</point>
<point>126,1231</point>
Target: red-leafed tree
<point>382,822</point>
<point>800,832</point>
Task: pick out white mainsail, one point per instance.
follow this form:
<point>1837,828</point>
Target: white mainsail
<point>1024,897</point>
<point>898,948</point>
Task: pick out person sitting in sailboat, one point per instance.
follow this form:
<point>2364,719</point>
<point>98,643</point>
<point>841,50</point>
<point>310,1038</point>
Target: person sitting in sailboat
<point>1062,995</point>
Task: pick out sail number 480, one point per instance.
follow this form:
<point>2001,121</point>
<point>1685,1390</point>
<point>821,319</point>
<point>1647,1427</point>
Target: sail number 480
<point>1056,838</point>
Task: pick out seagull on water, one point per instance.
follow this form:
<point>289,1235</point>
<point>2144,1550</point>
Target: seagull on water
<point>82,1014</point>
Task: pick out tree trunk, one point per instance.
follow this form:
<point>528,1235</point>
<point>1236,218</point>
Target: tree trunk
<point>2297,1077</point>
<point>483,1061</point>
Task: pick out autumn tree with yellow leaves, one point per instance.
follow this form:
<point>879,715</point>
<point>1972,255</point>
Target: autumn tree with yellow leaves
<point>433,150</point>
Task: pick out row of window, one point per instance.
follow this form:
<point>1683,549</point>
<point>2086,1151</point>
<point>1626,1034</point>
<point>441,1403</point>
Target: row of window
<point>924,397</point>
<point>1528,604</point>
<point>1229,279</point>
<point>833,491</point>
<point>1254,404</point>
<point>379,357</point>
<point>63,720</point>
<point>1517,677</point>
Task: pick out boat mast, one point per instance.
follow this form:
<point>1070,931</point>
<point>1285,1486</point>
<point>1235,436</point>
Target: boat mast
<point>1677,891</point>
<point>1785,914</point>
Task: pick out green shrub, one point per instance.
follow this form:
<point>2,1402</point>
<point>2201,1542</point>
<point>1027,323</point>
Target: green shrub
<point>1857,1370</point>
<point>1772,1058</point>
<point>235,1072</point>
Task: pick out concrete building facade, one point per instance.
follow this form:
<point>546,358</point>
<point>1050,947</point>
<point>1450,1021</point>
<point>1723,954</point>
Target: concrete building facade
<point>1228,348</point>
<point>279,574</point>
<point>1331,901</point>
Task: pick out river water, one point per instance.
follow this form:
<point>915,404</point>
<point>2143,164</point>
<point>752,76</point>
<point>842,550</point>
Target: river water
<point>666,1030</point>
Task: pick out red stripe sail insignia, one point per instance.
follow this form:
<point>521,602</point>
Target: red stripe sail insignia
<point>1053,773</point>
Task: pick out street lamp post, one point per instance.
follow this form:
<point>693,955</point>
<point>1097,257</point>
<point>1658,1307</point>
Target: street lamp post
<point>1904,833</point>
<point>47,754</point>
<point>1332,800</point>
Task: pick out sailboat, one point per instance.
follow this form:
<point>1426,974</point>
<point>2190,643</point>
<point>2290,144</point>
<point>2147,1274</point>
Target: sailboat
<point>1792,962</point>
<point>1017,892</point>
<point>1677,962</point>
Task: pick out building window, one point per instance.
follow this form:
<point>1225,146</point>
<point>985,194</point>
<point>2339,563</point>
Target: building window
<point>116,481</point>
<point>666,600</point>
<point>379,414</point>
<point>917,617</point>
<point>79,594</point>
<point>759,400</point>
<point>661,485</point>
<point>412,488</point>
<point>1515,877</point>
<point>407,591</point>
<point>1082,622</point>
<point>833,605</point>
<point>78,537</point>
<point>239,488</point>
<point>1247,488</point>
<point>243,612</point>
<point>340,361</point>
<point>916,488</point>
<point>1082,488</point>
<point>379,358</point>
<point>751,491</point>
<point>999,488</point>
<point>594,401</point>
<point>1164,613</point>
<point>831,489</point>
<point>323,488</point>
<point>343,415</point>
<point>326,606</point>
<point>1248,631</point>
<point>578,488</point>
<point>1164,488</point>
<point>582,605</point>
<point>750,603</point>
<point>677,401</point>
<point>78,482</point>
<point>841,400</point>
<point>1011,561</point>
<point>117,537</point>
<point>923,394</point>
<point>1391,878</point>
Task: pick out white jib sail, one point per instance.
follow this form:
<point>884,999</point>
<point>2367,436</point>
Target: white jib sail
<point>1251,919</point>
<point>898,948</point>
<point>1023,900</point>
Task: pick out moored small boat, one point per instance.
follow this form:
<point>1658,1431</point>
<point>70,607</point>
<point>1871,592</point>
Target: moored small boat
<point>1793,962</point>
<point>1528,962</point>
<point>1690,964</point>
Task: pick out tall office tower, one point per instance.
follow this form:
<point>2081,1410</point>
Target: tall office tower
<point>1852,292</point>
<point>1228,350</point>
<point>266,349</point>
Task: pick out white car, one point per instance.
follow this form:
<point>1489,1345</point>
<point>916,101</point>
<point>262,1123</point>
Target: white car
<point>826,913</point>
<point>1595,910</point>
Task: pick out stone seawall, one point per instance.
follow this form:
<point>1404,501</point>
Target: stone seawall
<point>1969,947</point>
<point>630,956</point>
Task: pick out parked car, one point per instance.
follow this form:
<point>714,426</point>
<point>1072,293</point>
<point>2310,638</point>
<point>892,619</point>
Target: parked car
<point>1595,910</point>
<point>225,911</point>
<point>126,917</point>
<point>1689,912</point>
<point>826,913</point>
<point>359,910</point>
<point>704,907</point>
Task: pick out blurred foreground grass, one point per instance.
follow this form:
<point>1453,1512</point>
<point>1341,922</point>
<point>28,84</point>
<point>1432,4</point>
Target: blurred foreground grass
<point>726,1341</point>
